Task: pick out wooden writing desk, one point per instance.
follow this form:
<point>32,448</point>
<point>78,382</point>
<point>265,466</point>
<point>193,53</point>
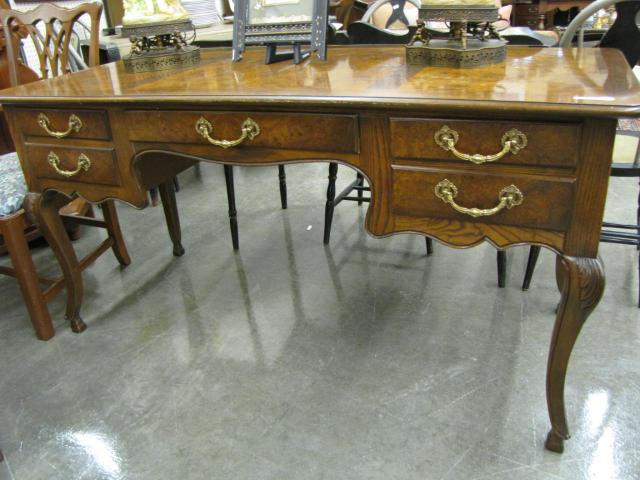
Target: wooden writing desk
<point>365,108</point>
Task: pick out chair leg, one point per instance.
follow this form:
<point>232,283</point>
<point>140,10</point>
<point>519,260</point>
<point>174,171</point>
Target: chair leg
<point>331,195</point>
<point>534,251</point>
<point>282,177</point>
<point>113,228</point>
<point>16,242</point>
<point>429,246</point>
<point>360,183</point>
<point>231,199</point>
<point>502,268</point>
<point>170,207</point>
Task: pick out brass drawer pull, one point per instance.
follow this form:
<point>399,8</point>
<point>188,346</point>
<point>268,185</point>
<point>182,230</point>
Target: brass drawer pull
<point>83,165</point>
<point>513,141</point>
<point>509,197</point>
<point>75,124</point>
<point>250,130</point>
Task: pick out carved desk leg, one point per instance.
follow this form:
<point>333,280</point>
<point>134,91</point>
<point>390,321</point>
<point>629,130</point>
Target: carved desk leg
<point>581,281</point>
<point>53,229</point>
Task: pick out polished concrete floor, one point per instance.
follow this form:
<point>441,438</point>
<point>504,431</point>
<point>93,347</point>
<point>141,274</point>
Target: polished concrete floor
<point>290,360</point>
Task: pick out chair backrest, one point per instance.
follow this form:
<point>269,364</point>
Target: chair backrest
<point>51,29</point>
<point>385,13</point>
<point>623,34</point>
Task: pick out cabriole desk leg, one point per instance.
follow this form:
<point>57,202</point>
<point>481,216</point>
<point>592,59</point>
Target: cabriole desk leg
<point>53,230</point>
<point>581,282</point>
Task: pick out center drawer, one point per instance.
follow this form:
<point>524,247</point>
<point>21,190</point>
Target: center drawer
<point>547,144</point>
<point>288,131</point>
<point>546,201</point>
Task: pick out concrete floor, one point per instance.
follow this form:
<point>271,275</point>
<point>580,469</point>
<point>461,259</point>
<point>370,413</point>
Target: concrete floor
<point>289,360</point>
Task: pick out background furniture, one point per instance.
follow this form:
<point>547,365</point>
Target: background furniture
<point>50,28</point>
<point>538,14</point>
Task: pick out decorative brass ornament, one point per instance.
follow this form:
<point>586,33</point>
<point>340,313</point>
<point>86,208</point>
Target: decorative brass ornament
<point>472,40</point>
<point>75,124</point>
<point>512,141</point>
<point>250,130</point>
<point>159,46</point>
<point>509,197</point>
<point>83,165</point>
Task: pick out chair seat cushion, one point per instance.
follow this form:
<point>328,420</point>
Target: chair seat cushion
<point>13,187</point>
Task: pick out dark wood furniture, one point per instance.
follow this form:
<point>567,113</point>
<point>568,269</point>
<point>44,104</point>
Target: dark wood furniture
<point>366,109</point>
<point>231,200</point>
<point>538,14</point>
<point>53,49</point>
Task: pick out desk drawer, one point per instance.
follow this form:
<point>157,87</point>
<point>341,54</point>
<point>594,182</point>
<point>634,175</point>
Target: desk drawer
<point>100,166</point>
<point>546,201</point>
<point>288,131</point>
<point>90,124</point>
<point>547,144</point>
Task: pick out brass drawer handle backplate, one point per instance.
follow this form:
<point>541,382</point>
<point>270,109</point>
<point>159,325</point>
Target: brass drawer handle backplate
<point>83,165</point>
<point>513,141</point>
<point>75,124</point>
<point>509,197</point>
<point>250,130</point>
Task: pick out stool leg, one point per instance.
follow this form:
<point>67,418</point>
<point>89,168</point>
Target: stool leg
<point>360,183</point>
<point>331,195</point>
<point>25,271</point>
<point>282,177</point>
<point>231,199</point>
<point>153,194</point>
<point>170,208</point>
<point>502,268</point>
<point>534,251</point>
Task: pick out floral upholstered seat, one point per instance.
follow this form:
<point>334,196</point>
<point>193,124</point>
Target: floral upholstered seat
<point>13,188</point>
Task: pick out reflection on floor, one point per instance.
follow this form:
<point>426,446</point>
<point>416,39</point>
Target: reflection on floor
<point>289,360</point>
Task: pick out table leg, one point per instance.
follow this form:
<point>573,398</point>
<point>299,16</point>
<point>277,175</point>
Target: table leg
<point>51,225</point>
<point>581,281</point>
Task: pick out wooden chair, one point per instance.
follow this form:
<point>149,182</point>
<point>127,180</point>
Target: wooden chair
<point>50,29</point>
<point>624,35</point>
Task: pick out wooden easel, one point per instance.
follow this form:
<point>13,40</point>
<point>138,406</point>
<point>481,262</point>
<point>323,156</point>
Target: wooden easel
<point>297,54</point>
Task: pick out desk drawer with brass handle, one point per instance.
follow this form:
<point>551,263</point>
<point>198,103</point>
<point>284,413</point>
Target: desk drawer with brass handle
<point>287,131</point>
<point>84,165</point>
<point>516,143</point>
<point>72,124</point>
<point>534,201</point>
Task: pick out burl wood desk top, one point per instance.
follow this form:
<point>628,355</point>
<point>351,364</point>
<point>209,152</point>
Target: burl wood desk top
<point>514,153</point>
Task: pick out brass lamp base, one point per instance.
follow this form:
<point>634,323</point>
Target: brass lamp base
<point>159,46</point>
<point>162,59</point>
<point>450,53</point>
<point>471,42</point>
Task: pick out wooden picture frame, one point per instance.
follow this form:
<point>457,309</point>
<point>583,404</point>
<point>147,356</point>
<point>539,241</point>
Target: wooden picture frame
<point>276,23</point>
